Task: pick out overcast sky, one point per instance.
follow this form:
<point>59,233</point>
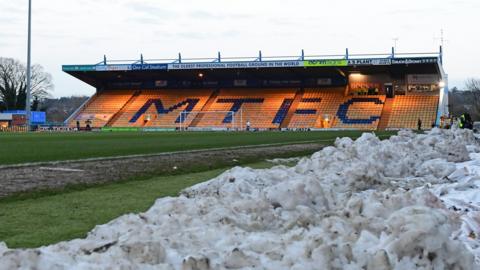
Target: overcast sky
<point>82,31</point>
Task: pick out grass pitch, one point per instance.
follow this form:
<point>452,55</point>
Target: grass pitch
<point>36,147</point>
<point>45,220</point>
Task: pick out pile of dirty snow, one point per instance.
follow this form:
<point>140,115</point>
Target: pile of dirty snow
<point>410,202</point>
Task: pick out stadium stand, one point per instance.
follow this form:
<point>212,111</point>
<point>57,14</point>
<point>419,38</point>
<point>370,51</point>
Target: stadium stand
<point>406,110</point>
<point>102,107</point>
<point>386,114</point>
<point>356,91</point>
<point>360,112</point>
<point>315,104</point>
<point>161,108</point>
<point>326,108</point>
<point>258,106</point>
<point>263,108</point>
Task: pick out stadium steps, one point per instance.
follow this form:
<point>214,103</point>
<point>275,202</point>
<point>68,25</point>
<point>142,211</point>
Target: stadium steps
<point>206,107</point>
<point>118,114</point>
<point>71,119</point>
<point>386,113</point>
<point>101,109</point>
<point>296,100</point>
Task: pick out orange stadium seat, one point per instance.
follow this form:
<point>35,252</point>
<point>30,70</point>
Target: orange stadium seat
<point>358,115</point>
<point>406,111</point>
<point>263,108</point>
<point>363,112</point>
<point>258,106</point>
<point>173,102</point>
<point>102,107</point>
<point>315,104</point>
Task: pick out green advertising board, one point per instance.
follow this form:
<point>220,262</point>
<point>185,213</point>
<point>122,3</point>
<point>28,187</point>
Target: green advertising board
<point>326,63</point>
<point>120,129</point>
<point>135,129</point>
<point>152,129</point>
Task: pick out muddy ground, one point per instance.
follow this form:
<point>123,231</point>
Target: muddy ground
<point>57,175</point>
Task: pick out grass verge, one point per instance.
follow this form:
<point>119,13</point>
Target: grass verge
<point>43,220</point>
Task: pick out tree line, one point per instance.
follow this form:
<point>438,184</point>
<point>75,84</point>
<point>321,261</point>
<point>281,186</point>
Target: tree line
<point>466,100</point>
<point>13,84</point>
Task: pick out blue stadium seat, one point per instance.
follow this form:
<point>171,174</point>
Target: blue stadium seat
<point>283,111</point>
<point>306,111</point>
<point>162,110</point>
<point>343,111</point>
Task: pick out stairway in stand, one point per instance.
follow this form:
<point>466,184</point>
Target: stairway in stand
<point>71,120</point>
<point>293,108</point>
<point>206,107</point>
<point>386,112</point>
<point>119,113</point>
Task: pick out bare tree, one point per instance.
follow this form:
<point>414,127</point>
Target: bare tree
<point>473,85</point>
<point>13,84</point>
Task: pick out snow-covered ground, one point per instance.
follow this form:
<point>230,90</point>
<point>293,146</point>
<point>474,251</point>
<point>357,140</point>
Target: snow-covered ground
<point>410,202</point>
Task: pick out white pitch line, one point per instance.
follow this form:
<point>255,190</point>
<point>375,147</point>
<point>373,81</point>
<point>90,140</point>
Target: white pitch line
<point>60,169</point>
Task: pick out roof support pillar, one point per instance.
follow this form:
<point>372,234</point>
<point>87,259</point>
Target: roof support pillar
<point>441,54</point>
